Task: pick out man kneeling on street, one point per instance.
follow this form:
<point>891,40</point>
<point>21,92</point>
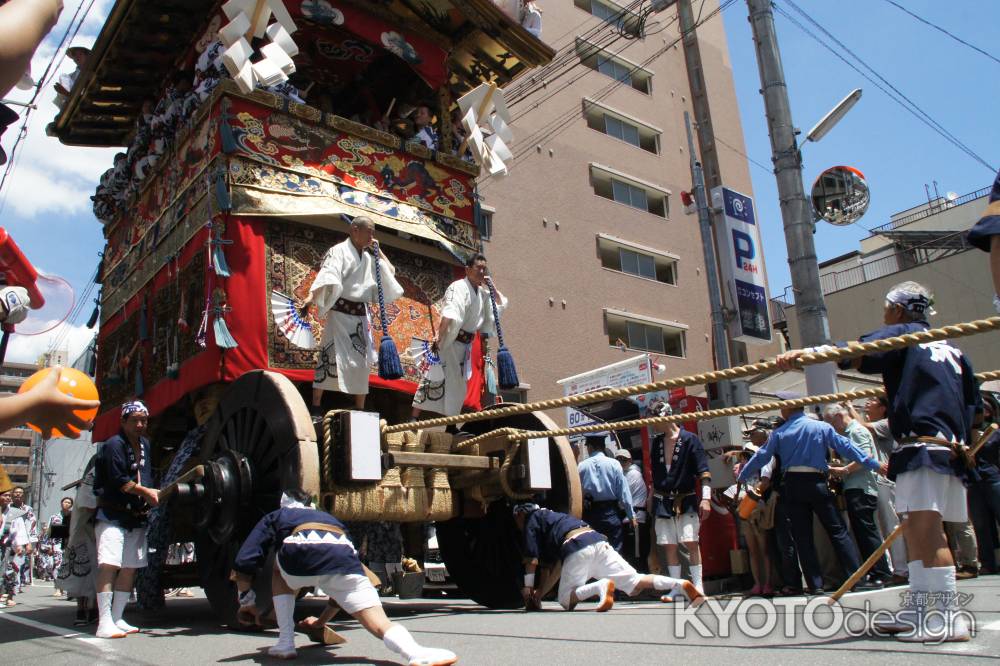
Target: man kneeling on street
<point>313,551</point>
<point>550,537</point>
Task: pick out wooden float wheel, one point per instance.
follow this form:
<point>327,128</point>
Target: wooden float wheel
<point>482,554</point>
<point>260,442</point>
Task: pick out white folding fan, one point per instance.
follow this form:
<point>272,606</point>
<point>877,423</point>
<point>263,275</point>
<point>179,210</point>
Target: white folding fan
<point>290,321</point>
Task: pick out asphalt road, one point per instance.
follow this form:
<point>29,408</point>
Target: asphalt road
<point>39,631</point>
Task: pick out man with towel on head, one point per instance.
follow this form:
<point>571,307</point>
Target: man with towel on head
<point>341,292</point>
<point>467,310</point>
<point>313,550</point>
<point>682,492</point>
<point>986,236</point>
<point>933,395</point>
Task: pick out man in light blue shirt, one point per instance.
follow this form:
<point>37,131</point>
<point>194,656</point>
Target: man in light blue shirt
<point>605,492</point>
<point>801,445</point>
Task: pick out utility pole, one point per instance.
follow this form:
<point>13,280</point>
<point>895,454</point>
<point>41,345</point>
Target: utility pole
<point>719,339</point>
<point>796,212</point>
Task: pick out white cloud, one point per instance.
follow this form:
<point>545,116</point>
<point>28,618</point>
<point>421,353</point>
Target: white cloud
<point>50,177</point>
<point>28,348</point>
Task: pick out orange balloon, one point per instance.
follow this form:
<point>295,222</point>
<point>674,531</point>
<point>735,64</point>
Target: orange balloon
<point>73,383</point>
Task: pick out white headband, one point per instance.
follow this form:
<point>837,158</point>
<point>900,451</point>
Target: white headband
<point>912,301</point>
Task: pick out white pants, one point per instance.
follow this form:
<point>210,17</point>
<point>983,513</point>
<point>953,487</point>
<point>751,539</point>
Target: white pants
<point>352,592</point>
<point>927,490</point>
<point>888,519</point>
<point>125,549</point>
<point>598,560</point>
<point>346,354</point>
<point>678,529</point>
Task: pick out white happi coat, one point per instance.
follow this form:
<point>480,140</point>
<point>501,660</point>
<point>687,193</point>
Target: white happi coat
<point>469,310</point>
<point>347,348</point>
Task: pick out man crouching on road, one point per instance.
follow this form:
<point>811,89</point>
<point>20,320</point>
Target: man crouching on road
<point>313,551</point>
<point>550,537</point>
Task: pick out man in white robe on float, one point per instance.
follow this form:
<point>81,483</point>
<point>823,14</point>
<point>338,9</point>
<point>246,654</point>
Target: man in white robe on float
<point>467,310</point>
<point>341,292</point>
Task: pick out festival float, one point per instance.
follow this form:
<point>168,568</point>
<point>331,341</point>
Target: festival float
<point>252,132</point>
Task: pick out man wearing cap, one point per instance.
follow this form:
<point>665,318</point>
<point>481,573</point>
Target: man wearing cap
<point>933,396</point>
<point>467,310</point>
<point>986,236</point>
<point>605,493</point>
<point>312,549</point>
<point>636,537</point>
<point>549,537</point>
<point>123,486</point>
<point>341,292</point>
<point>682,492</point>
<point>802,443</point>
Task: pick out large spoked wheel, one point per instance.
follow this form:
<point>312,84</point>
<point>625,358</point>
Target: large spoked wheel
<point>482,554</point>
<point>259,442</point>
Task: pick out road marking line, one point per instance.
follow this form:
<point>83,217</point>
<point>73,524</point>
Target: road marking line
<point>992,626</point>
<point>99,643</point>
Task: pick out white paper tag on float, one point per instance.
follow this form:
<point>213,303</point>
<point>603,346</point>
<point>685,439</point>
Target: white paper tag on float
<point>539,469</point>
<point>364,446</point>
<point>236,56</point>
<point>277,56</point>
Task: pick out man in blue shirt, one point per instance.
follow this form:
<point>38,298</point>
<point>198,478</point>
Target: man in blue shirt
<point>550,537</point>
<point>605,492</point>
<point>802,443</point>
<point>313,550</point>
<point>123,479</point>
<point>933,396</point>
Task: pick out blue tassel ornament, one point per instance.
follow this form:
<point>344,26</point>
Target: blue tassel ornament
<point>389,366</point>
<point>139,387</point>
<point>505,360</point>
<point>223,338</point>
<point>222,193</point>
<point>219,264</point>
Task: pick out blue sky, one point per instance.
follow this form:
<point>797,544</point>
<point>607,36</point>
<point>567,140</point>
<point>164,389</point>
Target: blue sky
<point>46,205</point>
<point>952,83</point>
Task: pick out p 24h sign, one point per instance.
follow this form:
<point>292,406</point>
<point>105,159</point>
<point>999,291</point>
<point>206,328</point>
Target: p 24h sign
<point>738,245</point>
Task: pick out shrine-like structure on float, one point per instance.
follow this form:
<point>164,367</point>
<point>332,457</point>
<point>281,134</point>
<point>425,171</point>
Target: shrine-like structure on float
<point>227,196</point>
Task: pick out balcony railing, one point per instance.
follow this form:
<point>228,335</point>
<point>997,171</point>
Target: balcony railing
<point>932,209</point>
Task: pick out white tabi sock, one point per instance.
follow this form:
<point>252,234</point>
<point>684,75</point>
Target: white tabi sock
<point>663,583</point>
<point>399,640</point>
<point>106,627</point>
<point>696,577</point>
<point>118,603</point>
<point>675,572</point>
<point>284,613</point>
<point>589,590</point>
<point>943,622</point>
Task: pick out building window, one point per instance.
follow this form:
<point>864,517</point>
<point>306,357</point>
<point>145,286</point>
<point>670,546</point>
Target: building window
<point>645,334</point>
<point>614,66</point>
<point>618,187</point>
<point>620,255</point>
<point>612,13</point>
<point>621,127</point>
<point>484,222</point>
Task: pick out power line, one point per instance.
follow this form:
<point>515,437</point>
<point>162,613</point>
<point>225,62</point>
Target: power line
<point>896,95</point>
<point>560,123</point>
<point>940,29</point>
<point>43,81</point>
<point>744,155</point>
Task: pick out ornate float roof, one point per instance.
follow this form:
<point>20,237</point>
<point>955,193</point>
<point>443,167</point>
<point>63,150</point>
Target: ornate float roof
<point>144,42</point>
